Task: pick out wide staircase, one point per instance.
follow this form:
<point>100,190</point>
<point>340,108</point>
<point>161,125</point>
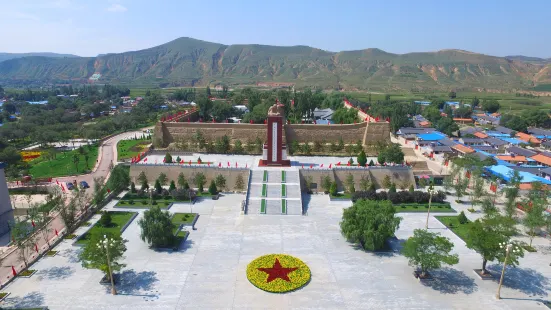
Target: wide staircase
<point>274,191</point>
<point>420,167</point>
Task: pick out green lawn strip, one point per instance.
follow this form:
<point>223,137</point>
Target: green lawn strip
<point>283,206</point>
<point>182,218</point>
<point>63,164</point>
<point>131,148</point>
<point>26,273</point>
<point>283,176</point>
<point>118,218</point>
<point>265,177</point>
<point>203,194</point>
<point>461,230</point>
<point>144,204</point>
<point>283,190</point>
<point>339,195</point>
<point>423,207</point>
<point>264,190</point>
<point>27,191</point>
<point>263,206</point>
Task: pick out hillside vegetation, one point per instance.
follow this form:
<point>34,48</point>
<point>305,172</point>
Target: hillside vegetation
<point>190,62</point>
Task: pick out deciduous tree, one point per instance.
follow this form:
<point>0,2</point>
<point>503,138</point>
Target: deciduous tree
<point>369,223</point>
<point>427,251</point>
<point>157,228</point>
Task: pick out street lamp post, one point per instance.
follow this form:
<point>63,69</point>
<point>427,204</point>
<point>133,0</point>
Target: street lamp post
<point>508,248</point>
<point>430,190</point>
<point>104,244</point>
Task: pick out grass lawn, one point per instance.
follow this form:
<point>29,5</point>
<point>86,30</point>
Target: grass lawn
<point>265,177</point>
<point>283,206</point>
<point>344,195</point>
<point>119,219</point>
<point>263,206</point>
<point>460,230</point>
<point>131,148</point>
<point>183,218</point>
<point>414,207</point>
<point>283,190</point>
<point>264,190</point>
<point>282,176</point>
<point>28,191</point>
<point>63,164</point>
<point>51,253</point>
<point>131,200</point>
<point>26,273</point>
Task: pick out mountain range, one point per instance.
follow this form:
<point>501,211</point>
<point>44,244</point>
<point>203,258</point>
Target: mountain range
<point>191,62</point>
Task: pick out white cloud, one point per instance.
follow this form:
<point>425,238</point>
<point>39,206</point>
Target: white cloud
<point>117,8</point>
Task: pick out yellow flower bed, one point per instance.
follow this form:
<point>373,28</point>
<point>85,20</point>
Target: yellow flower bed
<point>278,273</point>
<point>30,155</point>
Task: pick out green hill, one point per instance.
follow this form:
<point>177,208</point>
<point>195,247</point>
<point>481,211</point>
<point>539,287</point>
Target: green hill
<point>191,62</point>
<point>8,56</point>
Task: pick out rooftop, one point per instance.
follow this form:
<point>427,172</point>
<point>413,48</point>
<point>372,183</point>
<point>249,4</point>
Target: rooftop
<point>433,136</point>
<point>506,172</point>
<point>543,158</point>
<point>463,149</point>
<point>520,151</point>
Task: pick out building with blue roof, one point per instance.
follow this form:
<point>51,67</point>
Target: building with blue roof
<point>514,141</point>
<point>505,173</point>
<point>433,136</point>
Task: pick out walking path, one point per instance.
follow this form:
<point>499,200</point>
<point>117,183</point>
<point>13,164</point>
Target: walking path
<point>107,155</point>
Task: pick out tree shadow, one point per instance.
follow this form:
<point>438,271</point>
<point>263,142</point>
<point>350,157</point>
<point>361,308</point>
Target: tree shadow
<point>55,273</point>
<point>132,282</point>
<point>451,281</point>
<point>31,300</point>
<point>526,280</point>
<point>391,248</point>
<point>186,245</point>
<point>71,254</point>
<point>305,202</point>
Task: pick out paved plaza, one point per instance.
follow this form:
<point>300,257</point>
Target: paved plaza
<point>209,271</point>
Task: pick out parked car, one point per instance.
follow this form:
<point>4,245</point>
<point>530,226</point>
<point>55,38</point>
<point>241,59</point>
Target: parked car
<point>70,186</point>
<point>84,184</point>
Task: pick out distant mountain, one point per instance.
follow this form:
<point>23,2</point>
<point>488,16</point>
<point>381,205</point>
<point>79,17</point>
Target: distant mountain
<point>529,59</point>
<point>8,56</point>
<point>187,61</point>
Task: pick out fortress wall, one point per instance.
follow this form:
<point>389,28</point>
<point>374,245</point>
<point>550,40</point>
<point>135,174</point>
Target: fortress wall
<point>398,175</point>
<point>172,171</point>
<point>368,133</point>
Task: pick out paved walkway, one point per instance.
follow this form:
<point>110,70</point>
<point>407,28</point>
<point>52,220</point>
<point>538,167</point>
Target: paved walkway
<point>209,271</point>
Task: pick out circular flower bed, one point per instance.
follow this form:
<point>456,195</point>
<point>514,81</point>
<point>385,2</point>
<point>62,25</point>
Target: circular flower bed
<point>278,273</point>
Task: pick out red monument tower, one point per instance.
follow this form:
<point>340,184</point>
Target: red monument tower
<point>275,151</point>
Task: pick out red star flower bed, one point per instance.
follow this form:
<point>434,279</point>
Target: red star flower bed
<point>278,273</point>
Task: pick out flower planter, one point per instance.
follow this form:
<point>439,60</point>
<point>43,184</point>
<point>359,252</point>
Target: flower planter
<point>27,273</point>
<point>487,276</point>
<point>50,253</point>
<point>4,295</point>
<point>70,237</point>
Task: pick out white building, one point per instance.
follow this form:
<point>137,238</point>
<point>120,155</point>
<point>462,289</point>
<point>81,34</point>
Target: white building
<point>6,211</point>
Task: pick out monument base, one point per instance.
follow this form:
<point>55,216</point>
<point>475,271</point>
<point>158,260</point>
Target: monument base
<point>265,163</point>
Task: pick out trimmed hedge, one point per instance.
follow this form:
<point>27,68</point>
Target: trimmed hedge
<point>400,197</point>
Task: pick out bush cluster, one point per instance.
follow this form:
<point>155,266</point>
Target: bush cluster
<point>399,197</point>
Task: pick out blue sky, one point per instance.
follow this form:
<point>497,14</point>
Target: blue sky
<point>90,27</point>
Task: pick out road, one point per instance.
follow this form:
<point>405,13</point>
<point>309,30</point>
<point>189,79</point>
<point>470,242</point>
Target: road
<point>107,156</point>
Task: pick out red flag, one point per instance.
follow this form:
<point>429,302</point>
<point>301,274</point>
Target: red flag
<point>190,162</point>
<point>359,165</point>
<point>62,187</point>
<point>228,163</point>
<point>36,247</point>
<point>339,163</point>
<point>108,190</point>
<point>208,163</point>
<point>265,122</point>
<point>366,118</point>
<point>235,164</point>
<point>199,161</point>
<point>13,271</point>
<point>315,122</point>
<point>251,121</point>
<point>219,165</point>
<point>311,166</point>
<point>321,166</point>
<point>348,164</point>
<point>330,166</point>
<point>32,223</point>
<point>246,165</point>
<point>164,160</point>
<point>56,233</point>
<point>468,174</point>
<point>57,182</point>
<point>354,122</point>
<point>377,119</point>
<point>302,166</point>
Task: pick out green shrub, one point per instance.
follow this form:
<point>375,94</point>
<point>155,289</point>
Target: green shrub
<point>105,220</point>
<point>131,201</point>
<point>462,218</point>
<point>154,202</point>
